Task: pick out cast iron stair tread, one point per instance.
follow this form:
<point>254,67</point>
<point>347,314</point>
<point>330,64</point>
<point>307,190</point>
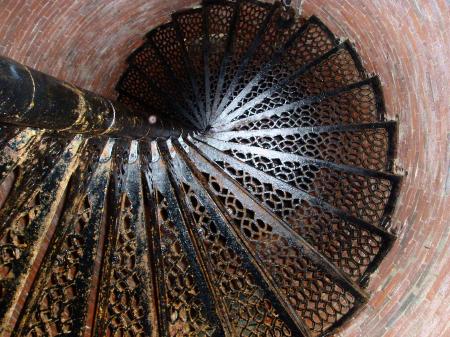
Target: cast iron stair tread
<point>284,202</point>
<point>127,283</point>
<point>369,146</point>
<point>250,21</point>
<point>308,80</point>
<point>249,263</point>
<point>281,28</point>
<point>69,247</point>
<point>309,42</point>
<point>359,102</point>
<point>377,189</point>
<point>14,150</point>
<point>32,169</point>
<point>223,39</point>
<point>190,31</point>
<point>217,20</point>
<point>28,222</point>
<point>249,53</point>
<point>178,252</point>
<point>271,240</point>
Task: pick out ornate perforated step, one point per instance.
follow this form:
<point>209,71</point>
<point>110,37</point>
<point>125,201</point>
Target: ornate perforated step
<point>265,217</point>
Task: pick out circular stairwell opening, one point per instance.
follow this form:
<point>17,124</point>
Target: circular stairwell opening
<point>293,148</point>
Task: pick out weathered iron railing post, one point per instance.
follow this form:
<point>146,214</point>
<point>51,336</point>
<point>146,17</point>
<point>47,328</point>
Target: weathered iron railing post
<point>29,98</point>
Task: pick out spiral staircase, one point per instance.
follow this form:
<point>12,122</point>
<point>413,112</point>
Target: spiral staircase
<point>251,197</point>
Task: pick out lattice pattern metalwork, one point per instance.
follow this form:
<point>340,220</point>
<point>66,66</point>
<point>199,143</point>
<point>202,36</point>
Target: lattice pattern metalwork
<point>265,216</point>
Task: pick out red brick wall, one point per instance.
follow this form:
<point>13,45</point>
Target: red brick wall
<point>404,41</point>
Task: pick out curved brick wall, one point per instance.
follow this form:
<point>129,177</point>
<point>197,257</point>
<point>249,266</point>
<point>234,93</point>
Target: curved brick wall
<point>86,42</point>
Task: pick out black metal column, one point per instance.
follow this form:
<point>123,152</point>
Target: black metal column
<point>29,98</point>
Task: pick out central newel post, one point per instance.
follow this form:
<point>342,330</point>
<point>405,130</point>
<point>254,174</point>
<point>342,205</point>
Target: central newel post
<point>29,98</point>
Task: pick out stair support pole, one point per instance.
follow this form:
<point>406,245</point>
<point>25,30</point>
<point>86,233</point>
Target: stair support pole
<point>29,98</point>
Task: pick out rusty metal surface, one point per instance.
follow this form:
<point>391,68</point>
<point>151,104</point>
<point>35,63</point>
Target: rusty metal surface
<point>259,203</point>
